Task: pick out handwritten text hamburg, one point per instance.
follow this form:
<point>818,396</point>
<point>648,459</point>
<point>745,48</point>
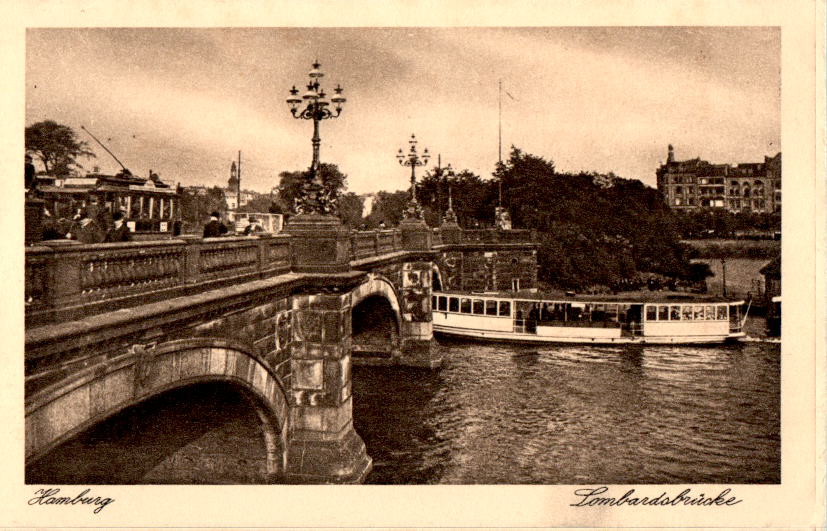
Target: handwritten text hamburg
<point>50,497</point>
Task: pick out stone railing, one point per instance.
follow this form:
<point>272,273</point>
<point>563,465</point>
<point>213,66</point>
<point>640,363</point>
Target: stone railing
<point>365,244</point>
<point>497,236</point>
<point>67,280</point>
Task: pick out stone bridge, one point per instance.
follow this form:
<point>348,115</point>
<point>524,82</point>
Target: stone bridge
<point>276,318</point>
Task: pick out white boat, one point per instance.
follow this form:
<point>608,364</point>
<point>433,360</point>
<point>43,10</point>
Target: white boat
<point>640,318</point>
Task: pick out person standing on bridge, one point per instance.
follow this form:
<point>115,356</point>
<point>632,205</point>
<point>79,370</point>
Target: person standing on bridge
<point>254,226</point>
<point>84,229</point>
<point>120,232</point>
<point>214,228</point>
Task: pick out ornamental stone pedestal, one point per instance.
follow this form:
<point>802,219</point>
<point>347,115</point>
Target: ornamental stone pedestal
<point>320,244</point>
<point>416,330</point>
<point>322,446</point>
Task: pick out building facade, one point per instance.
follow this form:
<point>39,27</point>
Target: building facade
<point>692,185</point>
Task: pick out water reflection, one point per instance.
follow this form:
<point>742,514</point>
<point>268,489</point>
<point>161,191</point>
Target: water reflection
<point>500,413</point>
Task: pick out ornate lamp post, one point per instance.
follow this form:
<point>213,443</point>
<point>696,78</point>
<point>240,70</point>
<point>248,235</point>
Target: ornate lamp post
<point>449,216</point>
<point>413,159</point>
<point>314,197</point>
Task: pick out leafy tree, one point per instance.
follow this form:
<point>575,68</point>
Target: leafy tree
<point>473,198</point>
<point>197,208</point>
<point>262,203</point>
<point>595,229</point>
<point>387,209</point>
<point>56,146</point>
<point>290,182</point>
<point>350,210</point>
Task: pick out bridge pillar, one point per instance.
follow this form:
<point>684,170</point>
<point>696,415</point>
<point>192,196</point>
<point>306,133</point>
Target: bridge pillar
<point>320,244</point>
<point>323,447</point>
<point>416,330</point>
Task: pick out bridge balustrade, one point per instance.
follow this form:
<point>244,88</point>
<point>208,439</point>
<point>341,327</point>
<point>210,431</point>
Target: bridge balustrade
<point>497,236</point>
<point>70,280</point>
<point>67,280</point>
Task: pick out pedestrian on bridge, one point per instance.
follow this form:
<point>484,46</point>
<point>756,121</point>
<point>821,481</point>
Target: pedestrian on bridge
<point>214,228</point>
<point>120,232</point>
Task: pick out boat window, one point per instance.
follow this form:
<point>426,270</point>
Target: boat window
<point>505,308</point>
<point>611,313</point>
<point>675,313</point>
<point>465,305</point>
<point>663,313</point>
<point>710,313</point>
<point>490,307</point>
<point>735,314</point>
<point>453,304</point>
<point>433,302</point>
<point>622,312</point>
<point>686,313</point>
<point>443,303</point>
<point>698,313</point>
<point>479,307</point>
<point>651,313</point>
<point>721,312</point>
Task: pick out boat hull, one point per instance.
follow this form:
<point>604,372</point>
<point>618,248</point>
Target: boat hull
<point>515,337</point>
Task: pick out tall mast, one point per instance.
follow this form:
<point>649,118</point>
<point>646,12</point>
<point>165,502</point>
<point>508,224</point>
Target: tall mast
<point>500,122</point>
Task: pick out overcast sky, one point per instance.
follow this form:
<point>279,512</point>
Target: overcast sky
<point>183,101</point>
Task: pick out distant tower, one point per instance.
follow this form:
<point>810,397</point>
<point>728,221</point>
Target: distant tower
<point>671,156</point>
<point>232,183</point>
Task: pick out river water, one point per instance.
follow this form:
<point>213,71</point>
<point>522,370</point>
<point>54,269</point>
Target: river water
<point>495,414</point>
<point>500,413</point>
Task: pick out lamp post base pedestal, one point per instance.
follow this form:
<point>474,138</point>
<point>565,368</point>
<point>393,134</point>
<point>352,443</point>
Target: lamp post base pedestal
<point>320,244</point>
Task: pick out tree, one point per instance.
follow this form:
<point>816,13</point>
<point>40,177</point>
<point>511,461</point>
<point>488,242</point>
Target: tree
<point>196,208</point>
<point>350,210</point>
<point>290,182</point>
<point>473,198</point>
<point>259,204</point>
<point>56,146</point>
<point>387,209</point>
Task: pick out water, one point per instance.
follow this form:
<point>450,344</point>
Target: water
<point>500,413</point>
<point>496,413</point>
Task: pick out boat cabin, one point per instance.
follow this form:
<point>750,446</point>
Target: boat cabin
<point>683,319</point>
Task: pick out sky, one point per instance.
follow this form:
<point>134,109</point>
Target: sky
<point>183,102</point>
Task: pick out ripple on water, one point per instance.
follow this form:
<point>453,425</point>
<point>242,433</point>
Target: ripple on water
<point>499,413</point>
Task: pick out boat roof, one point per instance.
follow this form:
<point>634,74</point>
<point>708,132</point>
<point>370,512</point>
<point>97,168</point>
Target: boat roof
<point>662,297</point>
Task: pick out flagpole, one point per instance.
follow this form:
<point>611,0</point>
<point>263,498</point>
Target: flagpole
<point>500,123</point>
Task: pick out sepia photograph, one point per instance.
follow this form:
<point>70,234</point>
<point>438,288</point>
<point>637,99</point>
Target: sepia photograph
<point>490,255</point>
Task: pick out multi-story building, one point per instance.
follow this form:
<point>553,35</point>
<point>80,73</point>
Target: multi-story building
<point>696,184</point>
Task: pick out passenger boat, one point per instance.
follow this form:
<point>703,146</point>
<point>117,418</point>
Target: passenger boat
<point>640,318</point>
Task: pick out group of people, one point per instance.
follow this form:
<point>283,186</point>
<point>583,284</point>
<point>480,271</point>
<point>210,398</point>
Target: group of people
<point>215,228</point>
<point>85,229</point>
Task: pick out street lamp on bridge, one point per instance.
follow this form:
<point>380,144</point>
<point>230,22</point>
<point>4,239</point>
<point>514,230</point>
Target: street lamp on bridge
<point>314,198</point>
<point>413,159</point>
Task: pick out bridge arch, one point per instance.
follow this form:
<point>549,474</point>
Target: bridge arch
<point>376,318</point>
<point>69,408</point>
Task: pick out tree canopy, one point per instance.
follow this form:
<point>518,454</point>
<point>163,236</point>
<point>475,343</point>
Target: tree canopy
<point>290,182</point>
<point>473,198</point>
<point>56,146</point>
